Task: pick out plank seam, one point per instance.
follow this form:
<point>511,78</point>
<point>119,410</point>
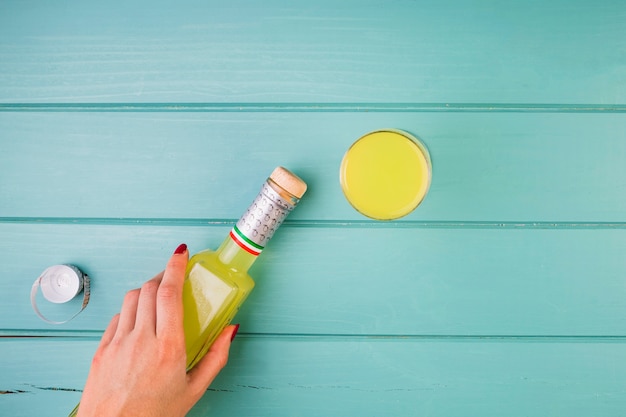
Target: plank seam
<point>94,335</point>
<point>315,107</point>
<point>331,224</point>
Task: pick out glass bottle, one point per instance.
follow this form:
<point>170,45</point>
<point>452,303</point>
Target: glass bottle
<point>217,282</point>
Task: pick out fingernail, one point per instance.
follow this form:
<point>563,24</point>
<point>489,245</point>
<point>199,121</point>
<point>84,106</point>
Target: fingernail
<point>180,249</point>
<point>232,336</point>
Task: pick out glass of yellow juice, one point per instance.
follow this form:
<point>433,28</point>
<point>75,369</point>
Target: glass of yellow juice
<point>386,174</point>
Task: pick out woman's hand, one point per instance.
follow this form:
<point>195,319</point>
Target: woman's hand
<point>139,368</point>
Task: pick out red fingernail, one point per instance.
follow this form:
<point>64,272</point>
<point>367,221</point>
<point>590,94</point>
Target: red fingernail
<point>180,249</point>
<point>232,336</point>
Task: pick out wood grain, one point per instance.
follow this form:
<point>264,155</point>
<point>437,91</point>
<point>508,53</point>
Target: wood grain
<point>127,128</point>
<point>451,51</point>
<point>487,167</point>
<point>355,281</point>
<point>346,376</point>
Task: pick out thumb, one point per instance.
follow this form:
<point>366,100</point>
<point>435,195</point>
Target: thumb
<point>205,371</point>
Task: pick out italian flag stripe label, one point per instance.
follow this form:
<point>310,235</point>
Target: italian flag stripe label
<point>245,243</point>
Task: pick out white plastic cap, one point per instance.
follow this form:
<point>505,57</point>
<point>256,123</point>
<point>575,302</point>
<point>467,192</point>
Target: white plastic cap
<point>61,283</point>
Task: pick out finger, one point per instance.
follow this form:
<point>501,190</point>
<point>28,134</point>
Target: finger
<point>146,305</point>
<point>108,334</point>
<point>169,301</point>
<point>128,313</point>
<point>205,371</point>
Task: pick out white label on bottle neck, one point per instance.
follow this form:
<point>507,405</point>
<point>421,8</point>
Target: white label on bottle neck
<point>263,217</point>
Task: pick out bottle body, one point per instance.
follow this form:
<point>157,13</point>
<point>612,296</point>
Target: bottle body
<point>212,294</point>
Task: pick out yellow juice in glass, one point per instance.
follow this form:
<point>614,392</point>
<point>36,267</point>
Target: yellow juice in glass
<point>386,174</point>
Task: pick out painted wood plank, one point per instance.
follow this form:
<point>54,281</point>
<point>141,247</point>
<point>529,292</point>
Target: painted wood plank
<point>354,51</point>
<point>356,281</point>
<point>344,376</point>
<point>488,167</point>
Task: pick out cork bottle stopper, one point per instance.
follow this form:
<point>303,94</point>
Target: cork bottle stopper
<point>288,181</point>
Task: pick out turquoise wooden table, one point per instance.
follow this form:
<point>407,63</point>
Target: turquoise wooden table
<point>127,128</point>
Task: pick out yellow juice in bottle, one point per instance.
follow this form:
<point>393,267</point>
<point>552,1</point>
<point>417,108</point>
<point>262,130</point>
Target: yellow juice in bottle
<point>212,295</point>
<point>386,174</point>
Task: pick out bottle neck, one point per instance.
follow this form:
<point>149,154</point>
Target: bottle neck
<point>231,254</point>
<point>248,237</point>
